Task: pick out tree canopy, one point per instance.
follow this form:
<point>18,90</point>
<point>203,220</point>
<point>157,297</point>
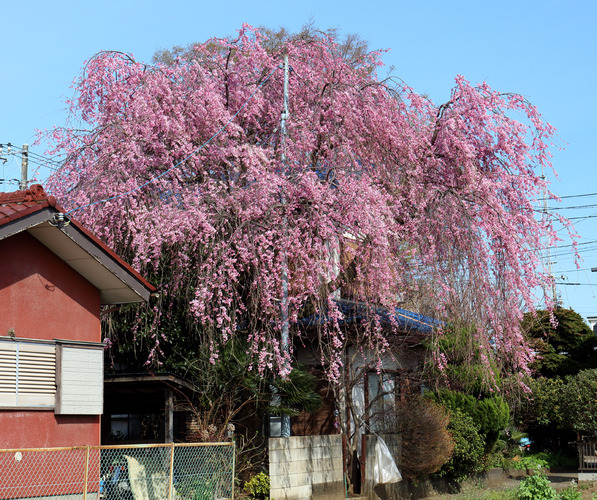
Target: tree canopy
<point>564,346</point>
<point>179,167</point>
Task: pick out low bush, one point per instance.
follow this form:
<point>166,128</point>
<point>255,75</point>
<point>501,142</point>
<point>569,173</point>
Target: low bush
<point>426,441</point>
<point>558,459</point>
<point>258,486</point>
<point>528,462</point>
<point>536,487</point>
<point>570,493</point>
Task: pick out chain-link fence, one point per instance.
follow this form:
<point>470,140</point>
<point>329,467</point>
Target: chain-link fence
<point>201,471</point>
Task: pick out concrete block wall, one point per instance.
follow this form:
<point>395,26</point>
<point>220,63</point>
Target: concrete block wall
<point>306,468</point>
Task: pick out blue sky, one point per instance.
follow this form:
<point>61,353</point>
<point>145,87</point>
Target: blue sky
<point>545,50</point>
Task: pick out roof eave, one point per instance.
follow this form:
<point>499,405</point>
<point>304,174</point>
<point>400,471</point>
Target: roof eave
<point>103,263</point>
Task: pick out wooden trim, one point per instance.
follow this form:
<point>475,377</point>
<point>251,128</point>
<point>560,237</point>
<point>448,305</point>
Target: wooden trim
<point>86,476</point>
<point>169,416</point>
<point>166,378</point>
<point>191,445</point>
<point>363,460</point>
<point>74,343</point>
<point>116,447</point>
<point>233,467</point>
<point>7,338</point>
<point>27,408</point>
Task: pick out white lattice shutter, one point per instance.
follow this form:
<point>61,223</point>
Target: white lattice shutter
<point>8,373</point>
<point>80,378</point>
<point>27,374</point>
<point>36,375</point>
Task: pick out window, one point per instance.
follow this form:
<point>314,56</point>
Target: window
<point>275,426</point>
<point>27,374</point>
<point>64,376</point>
<point>137,427</point>
<point>381,397</point>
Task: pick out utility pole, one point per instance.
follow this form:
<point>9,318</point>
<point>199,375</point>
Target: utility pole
<point>24,167</point>
<point>285,420</point>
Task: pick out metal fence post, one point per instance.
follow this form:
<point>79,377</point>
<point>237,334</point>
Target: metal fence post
<point>86,472</point>
<point>171,471</point>
<point>233,466</point>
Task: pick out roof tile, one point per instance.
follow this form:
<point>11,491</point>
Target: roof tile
<point>20,203</point>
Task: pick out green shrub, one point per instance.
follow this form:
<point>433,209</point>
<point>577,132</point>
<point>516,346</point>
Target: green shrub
<point>258,486</point>
<point>571,493</point>
<point>490,415</point>
<point>203,488</point>
<point>467,457</point>
<point>559,459</point>
<point>536,487</point>
<point>529,462</point>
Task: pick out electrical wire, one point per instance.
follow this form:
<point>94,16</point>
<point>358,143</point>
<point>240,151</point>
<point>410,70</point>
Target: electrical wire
<point>570,196</point>
<point>591,242</point>
<point>558,283</point>
<point>583,218</point>
<point>573,270</point>
<point>39,160</point>
<point>32,157</point>
<point>577,207</point>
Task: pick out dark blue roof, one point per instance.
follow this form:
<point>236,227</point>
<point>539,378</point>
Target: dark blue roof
<point>356,312</point>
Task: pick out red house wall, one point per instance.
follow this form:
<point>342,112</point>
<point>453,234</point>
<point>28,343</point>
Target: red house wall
<point>42,429</point>
<point>41,297</point>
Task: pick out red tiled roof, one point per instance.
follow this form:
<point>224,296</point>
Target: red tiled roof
<point>20,203</point>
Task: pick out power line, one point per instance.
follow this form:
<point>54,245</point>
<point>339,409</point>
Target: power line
<point>577,207</point>
<point>557,247</point>
<point>573,196</point>
<point>45,158</point>
<point>34,158</point>
<point>583,218</point>
<point>574,270</point>
<point>574,284</point>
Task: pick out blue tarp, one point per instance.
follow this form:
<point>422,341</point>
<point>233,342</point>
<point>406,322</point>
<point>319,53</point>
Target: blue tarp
<point>357,312</point>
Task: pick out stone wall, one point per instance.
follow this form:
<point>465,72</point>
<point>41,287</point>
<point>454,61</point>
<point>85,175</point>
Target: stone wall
<point>306,468</point>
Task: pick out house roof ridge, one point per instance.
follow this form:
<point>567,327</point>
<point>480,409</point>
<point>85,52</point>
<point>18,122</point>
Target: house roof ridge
<point>35,193</point>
